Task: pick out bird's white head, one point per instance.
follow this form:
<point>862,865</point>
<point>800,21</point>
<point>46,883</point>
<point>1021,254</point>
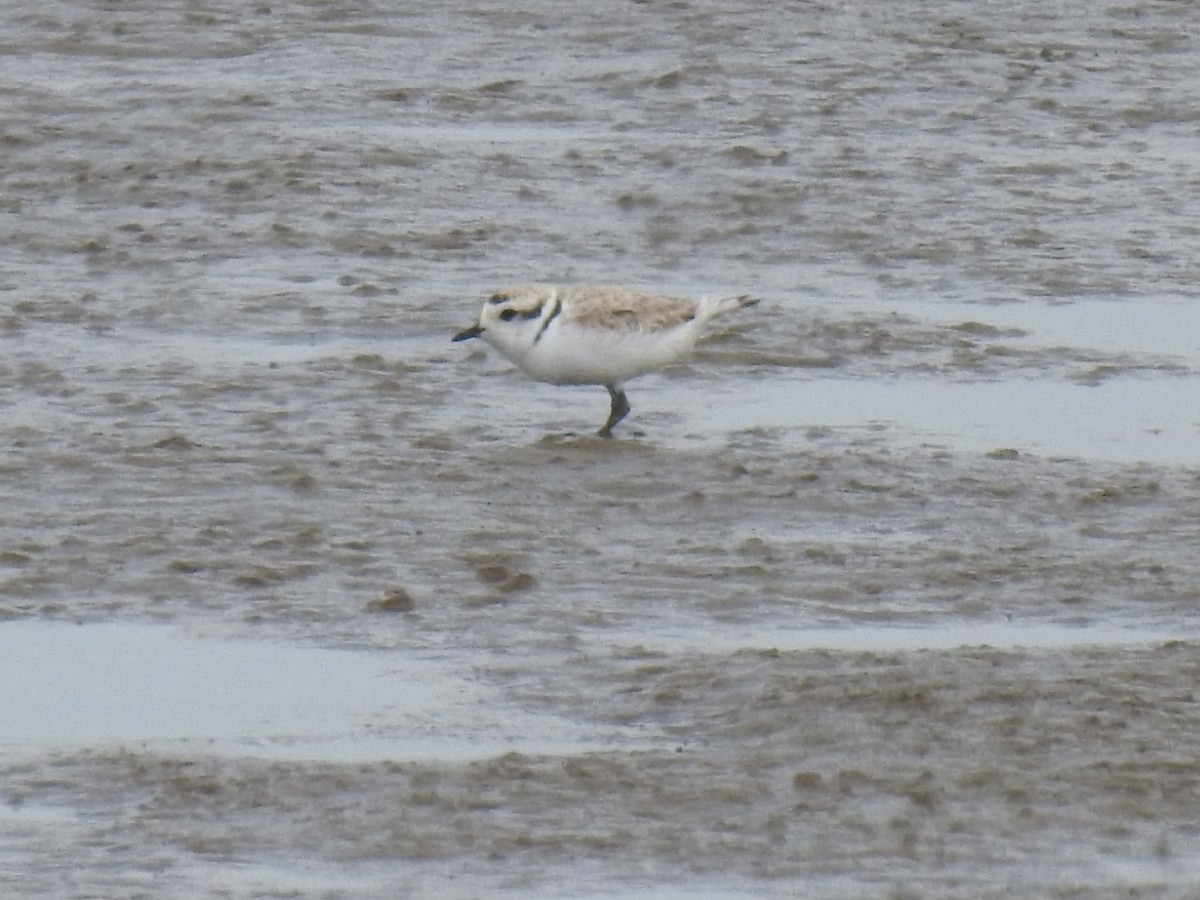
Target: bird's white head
<point>512,320</point>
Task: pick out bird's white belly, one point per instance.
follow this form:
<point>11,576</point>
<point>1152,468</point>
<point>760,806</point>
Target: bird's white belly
<point>574,355</point>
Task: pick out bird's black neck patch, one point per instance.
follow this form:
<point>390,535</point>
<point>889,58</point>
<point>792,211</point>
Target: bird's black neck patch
<point>550,318</point>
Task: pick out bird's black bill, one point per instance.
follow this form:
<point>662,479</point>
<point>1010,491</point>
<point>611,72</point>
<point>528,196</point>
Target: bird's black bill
<point>467,333</point>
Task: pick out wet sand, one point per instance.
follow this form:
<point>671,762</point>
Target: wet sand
<point>892,592</point>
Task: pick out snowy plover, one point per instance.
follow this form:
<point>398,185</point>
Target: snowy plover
<point>593,334</point>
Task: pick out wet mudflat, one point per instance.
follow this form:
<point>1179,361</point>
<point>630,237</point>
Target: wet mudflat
<point>891,593</point>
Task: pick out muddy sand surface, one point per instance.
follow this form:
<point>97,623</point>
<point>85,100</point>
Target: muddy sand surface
<point>891,593</point>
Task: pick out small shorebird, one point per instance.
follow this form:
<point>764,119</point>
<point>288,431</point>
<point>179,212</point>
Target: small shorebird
<point>594,334</point>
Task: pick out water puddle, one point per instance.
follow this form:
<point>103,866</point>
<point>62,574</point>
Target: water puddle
<point>1167,326</point>
<point>153,686</point>
<point>1127,421</point>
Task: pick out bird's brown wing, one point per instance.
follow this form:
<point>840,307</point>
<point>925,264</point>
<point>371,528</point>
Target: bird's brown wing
<point>625,309</point>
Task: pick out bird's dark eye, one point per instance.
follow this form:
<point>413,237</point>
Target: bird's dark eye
<point>508,315</point>
<point>497,299</point>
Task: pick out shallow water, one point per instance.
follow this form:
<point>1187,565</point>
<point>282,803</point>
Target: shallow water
<point>145,686</point>
<point>891,592</point>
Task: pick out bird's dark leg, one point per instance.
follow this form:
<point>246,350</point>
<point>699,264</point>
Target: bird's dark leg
<point>620,409</point>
